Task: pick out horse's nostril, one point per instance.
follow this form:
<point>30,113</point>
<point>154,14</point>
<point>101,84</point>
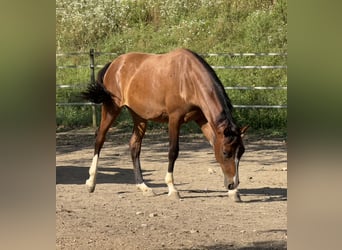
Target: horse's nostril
<point>231,186</point>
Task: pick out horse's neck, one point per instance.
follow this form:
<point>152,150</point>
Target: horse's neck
<point>214,111</point>
<point>211,109</point>
<point>214,107</point>
<point>213,129</point>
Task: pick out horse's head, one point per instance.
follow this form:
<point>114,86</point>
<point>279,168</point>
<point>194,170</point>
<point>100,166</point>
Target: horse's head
<point>228,151</point>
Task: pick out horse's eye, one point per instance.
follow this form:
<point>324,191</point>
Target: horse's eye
<point>227,154</point>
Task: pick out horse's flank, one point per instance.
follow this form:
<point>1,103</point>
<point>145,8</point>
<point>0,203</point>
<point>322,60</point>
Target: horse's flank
<point>192,94</point>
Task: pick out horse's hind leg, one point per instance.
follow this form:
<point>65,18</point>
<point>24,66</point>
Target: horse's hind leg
<point>109,114</point>
<point>135,147</point>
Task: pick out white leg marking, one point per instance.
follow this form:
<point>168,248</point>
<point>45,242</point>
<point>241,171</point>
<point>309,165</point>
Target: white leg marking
<point>234,194</point>
<point>236,177</point>
<point>147,191</point>
<point>169,181</point>
<point>91,182</point>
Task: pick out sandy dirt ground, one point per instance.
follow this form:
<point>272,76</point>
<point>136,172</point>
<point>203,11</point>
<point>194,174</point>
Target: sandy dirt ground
<point>118,216</point>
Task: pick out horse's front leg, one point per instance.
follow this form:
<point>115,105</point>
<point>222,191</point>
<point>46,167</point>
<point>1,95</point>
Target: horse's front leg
<point>135,147</point>
<point>173,192</point>
<point>174,127</point>
<point>234,194</point>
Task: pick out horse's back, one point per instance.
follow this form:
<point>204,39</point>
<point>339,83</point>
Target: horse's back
<point>155,85</point>
<point>173,86</point>
<point>128,65</point>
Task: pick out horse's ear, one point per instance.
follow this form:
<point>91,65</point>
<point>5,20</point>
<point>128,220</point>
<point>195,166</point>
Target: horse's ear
<point>243,130</point>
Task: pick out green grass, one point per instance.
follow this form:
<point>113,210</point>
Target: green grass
<point>161,25</point>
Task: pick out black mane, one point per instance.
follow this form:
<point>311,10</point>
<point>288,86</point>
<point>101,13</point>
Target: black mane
<point>224,99</point>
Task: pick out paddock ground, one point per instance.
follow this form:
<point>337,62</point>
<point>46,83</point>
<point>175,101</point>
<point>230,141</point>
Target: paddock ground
<point>117,216</point>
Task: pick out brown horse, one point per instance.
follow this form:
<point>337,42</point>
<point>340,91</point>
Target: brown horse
<point>175,87</point>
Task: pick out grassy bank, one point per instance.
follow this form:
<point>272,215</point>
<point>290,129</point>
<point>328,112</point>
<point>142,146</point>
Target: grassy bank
<point>161,25</point>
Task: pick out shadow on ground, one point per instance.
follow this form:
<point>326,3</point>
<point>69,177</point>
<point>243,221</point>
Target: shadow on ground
<point>263,245</point>
<point>79,175</point>
<point>268,194</point>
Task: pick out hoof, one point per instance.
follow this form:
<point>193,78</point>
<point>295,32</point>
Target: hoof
<point>149,193</point>
<point>90,187</point>
<point>174,195</point>
<point>234,195</point>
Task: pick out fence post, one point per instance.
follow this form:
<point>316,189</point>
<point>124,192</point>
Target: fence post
<point>92,80</point>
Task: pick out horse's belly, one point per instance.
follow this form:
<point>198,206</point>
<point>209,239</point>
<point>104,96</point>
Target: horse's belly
<point>160,113</point>
<point>157,102</point>
<point>148,110</point>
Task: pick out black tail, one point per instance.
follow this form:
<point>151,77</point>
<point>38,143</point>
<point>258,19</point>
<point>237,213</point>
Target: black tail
<point>97,92</point>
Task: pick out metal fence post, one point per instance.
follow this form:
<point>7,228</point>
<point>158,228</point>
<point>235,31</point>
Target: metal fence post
<point>92,80</point>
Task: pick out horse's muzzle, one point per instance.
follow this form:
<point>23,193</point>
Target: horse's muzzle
<point>232,186</point>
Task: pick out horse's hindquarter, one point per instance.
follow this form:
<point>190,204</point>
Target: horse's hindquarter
<point>157,86</point>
